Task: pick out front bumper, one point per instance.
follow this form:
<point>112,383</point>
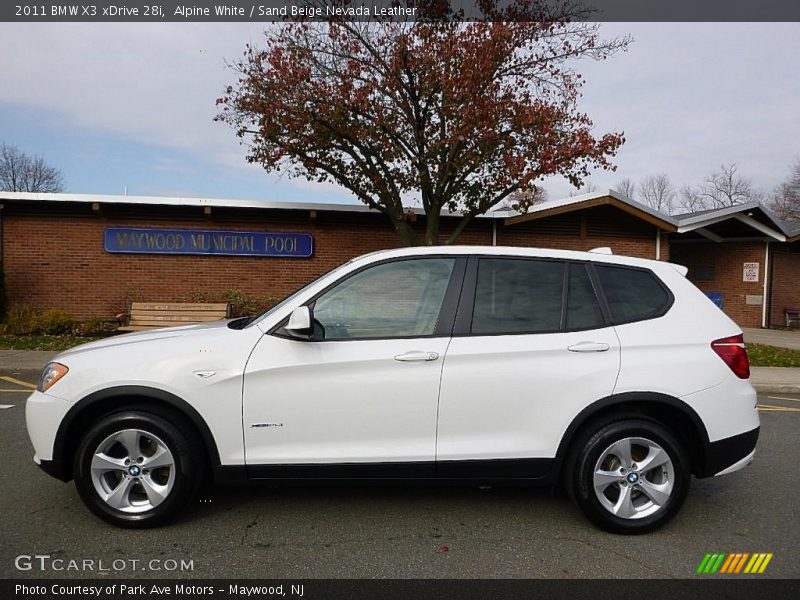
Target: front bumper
<point>43,416</point>
<point>729,454</point>
<point>54,468</point>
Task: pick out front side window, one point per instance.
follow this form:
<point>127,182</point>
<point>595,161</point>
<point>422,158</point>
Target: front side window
<point>518,296</point>
<point>397,299</point>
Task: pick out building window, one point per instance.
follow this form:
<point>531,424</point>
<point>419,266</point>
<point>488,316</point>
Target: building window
<point>705,273</point>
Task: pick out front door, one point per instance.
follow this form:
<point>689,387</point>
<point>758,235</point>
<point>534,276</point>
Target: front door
<point>364,389</point>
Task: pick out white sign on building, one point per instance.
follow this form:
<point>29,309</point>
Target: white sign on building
<point>750,272</point>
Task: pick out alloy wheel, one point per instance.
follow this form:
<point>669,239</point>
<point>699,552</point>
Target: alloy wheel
<point>133,471</point>
<point>633,478</point>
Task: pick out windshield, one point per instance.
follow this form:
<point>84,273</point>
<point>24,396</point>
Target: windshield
<point>290,298</point>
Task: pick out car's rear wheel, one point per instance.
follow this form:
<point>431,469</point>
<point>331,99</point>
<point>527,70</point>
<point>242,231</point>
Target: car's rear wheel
<point>136,469</point>
<point>629,476</point>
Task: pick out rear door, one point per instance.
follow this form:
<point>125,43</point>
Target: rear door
<point>531,348</point>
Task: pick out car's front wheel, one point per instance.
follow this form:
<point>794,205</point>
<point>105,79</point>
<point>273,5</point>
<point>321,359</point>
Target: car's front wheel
<point>629,476</point>
<point>136,468</point>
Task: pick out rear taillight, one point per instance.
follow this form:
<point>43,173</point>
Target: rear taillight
<point>733,351</point>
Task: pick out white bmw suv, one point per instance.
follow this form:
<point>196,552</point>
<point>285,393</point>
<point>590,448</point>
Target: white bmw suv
<point>613,376</point>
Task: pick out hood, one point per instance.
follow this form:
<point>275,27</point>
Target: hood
<point>149,336</point>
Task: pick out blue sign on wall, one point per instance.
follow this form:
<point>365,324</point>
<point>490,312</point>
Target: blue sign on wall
<point>717,298</point>
<point>151,240</point>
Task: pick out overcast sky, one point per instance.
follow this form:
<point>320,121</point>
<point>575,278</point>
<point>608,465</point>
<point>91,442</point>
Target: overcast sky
<point>131,105</point>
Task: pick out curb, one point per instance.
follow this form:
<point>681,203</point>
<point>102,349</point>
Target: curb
<point>777,388</point>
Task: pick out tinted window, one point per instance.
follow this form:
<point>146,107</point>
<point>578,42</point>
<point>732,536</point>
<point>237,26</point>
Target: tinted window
<point>632,294</point>
<point>397,299</point>
<point>518,296</point>
<point>583,308</point>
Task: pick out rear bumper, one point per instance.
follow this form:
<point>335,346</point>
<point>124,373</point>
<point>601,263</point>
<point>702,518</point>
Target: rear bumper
<point>729,454</point>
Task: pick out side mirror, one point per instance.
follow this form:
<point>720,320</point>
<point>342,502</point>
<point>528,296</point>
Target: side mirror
<point>300,323</point>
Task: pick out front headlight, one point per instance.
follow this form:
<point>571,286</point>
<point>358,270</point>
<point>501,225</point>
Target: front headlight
<point>52,373</point>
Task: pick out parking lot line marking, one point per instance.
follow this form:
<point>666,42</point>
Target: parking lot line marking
<point>17,382</point>
<point>11,391</point>
<point>782,398</point>
<point>771,408</point>
<point>3,406</point>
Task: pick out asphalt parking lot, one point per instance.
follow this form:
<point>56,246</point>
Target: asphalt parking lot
<point>398,532</point>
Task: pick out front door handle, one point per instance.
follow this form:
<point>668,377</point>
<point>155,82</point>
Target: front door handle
<point>417,356</point>
<point>589,347</point>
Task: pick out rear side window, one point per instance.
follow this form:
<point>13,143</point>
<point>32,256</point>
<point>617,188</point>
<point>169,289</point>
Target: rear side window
<point>583,309</point>
<point>633,294</point>
<point>518,296</point>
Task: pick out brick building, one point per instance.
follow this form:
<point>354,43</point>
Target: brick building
<point>90,255</point>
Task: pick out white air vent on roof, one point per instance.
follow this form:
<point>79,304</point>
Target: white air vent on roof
<point>602,250</point>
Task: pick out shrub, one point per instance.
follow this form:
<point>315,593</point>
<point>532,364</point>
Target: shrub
<point>96,326</point>
<point>55,322</point>
<point>204,296</point>
<point>121,303</point>
<point>22,319</point>
<point>2,294</point>
<point>243,305</point>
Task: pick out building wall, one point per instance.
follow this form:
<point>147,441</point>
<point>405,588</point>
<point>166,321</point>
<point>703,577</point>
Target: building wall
<point>53,256</point>
<point>727,261</point>
<point>785,281</point>
<point>587,229</point>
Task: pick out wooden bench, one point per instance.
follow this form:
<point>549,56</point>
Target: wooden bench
<point>792,314</point>
<point>153,315</point>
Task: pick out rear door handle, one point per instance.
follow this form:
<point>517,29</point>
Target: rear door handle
<point>417,356</point>
<point>589,347</point>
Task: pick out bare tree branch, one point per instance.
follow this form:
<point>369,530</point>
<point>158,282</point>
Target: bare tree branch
<point>726,187</point>
<point>785,199</point>
<point>20,172</point>
<point>657,192</point>
<point>626,187</point>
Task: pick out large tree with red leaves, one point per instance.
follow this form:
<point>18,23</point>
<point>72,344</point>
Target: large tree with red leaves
<point>452,116</point>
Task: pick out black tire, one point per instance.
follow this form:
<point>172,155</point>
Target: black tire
<point>187,462</point>
<point>579,478</point>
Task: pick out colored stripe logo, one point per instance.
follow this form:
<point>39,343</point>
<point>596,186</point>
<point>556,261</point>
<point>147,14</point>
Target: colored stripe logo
<point>734,563</point>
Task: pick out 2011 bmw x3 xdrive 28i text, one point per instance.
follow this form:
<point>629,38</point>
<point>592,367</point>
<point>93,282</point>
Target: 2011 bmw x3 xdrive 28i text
<point>611,375</point>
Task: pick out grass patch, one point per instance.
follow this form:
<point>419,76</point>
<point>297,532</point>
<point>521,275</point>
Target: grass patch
<point>770,356</point>
<point>53,343</point>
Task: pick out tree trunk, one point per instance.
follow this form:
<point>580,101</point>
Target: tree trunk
<point>406,232</point>
<point>459,229</point>
<point>432,229</point>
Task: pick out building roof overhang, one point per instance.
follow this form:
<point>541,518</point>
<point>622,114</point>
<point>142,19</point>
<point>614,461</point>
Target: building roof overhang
<point>538,211</point>
<point>731,223</point>
<point>600,198</point>
<point>753,215</point>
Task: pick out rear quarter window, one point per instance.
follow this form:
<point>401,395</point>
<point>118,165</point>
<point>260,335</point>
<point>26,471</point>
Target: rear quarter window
<point>633,294</point>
